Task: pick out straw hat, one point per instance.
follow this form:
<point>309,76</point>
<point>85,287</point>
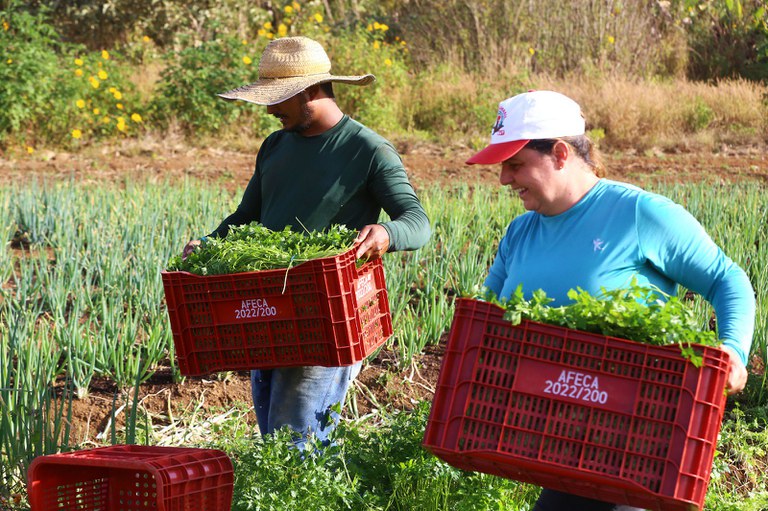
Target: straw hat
<point>288,66</point>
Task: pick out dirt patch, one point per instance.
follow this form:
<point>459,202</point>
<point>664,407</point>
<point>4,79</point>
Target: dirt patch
<point>427,164</point>
<point>168,404</point>
<point>380,385</point>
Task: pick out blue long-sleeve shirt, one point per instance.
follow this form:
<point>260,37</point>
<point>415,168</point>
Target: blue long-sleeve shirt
<point>614,233</point>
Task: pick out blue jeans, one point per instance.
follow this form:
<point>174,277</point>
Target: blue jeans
<point>551,500</point>
<point>301,398</point>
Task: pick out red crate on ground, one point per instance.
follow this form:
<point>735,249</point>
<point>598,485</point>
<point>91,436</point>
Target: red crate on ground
<point>596,416</point>
<point>325,312</point>
<point>132,478</point>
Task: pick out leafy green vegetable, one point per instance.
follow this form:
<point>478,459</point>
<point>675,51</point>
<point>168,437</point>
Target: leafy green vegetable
<point>253,247</point>
<point>638,313</point>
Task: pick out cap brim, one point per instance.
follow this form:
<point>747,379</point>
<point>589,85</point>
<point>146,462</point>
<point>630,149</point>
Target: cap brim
<point>497,153</point>
<point>273,91</point>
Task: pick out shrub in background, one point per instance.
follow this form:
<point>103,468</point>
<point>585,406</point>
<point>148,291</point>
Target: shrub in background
<point>112,23</point>
<point>29,72</point>
<point>727,38</point>
<point>193,77</point>
<point>101,100</point>
<point>366,48</point>
<point>57,93</point>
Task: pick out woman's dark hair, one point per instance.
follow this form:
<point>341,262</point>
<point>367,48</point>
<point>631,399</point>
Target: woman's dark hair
<point>584,147</point>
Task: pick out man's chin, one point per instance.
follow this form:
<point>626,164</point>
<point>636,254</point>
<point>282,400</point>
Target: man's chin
<point>298,128</point>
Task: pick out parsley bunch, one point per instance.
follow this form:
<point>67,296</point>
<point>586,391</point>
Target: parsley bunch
<point>638,313</point>
<point>253,247</point>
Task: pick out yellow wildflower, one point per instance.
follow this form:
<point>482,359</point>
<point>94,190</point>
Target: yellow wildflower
<point>387,62</point>
<point>96,111</point>
<point>94,82</point>
<point>112,90</point>
<point>6,26</point>
<point>78,72</point>
<point>403,43</point>
<point>76,133</point>
<point>288,9</point>
<point>9,61</point>
<point>267,25</point>
<point>318,17</point>
<point>296,5</point>
<point>270,35</point>
<point>376,25</point>
<point>105,54</point>
<point>244,42</point>
<point>262,32</point>
<point>383,27</point>
<point>121,124</point>
<point>531,51</point>
<point>106,120</point>
<point>376,44</point>
<point>118,95</point>
<point>247,60</point>
<point>80,103</point>
<point>135,117</point>
<point>146,39</point>
<point>103,75</point>
<point>30,149</point>
<point>611,40</point>
<point>282,30</point>
<point>369,28</point>
<point>119,106</point>
<point>78,62</point>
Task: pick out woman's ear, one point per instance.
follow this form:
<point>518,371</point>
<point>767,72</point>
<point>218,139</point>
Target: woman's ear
<point>560,152</point>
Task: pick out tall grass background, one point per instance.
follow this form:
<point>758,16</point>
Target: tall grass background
<point>637,68</point>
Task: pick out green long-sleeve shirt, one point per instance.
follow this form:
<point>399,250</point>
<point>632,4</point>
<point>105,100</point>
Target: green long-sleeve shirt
<point>345,175</point>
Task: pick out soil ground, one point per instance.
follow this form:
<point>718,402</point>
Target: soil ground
<point>427,164</point>
<point>380,383</point>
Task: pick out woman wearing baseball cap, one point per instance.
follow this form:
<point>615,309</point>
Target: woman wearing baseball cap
<point>582,230</point>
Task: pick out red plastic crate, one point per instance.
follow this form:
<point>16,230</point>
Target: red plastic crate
<point>596,416</point>
<point>132,478</point>
<point>324,312</point>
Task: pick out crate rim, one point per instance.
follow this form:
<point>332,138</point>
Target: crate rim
<point>165,271</point>
<point>585,332</point>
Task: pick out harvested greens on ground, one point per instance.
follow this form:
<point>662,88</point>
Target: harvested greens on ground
<point>253,247</point>
<point>638,313</point>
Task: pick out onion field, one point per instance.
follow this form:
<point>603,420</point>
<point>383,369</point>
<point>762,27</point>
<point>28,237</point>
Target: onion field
<point>82,297</point>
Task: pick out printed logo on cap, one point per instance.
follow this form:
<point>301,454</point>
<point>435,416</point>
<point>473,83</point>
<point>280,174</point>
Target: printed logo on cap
<point>499,126</point>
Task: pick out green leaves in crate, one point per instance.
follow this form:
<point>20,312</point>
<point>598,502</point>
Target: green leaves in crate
<point>253,247</point>
<point>638,313</point>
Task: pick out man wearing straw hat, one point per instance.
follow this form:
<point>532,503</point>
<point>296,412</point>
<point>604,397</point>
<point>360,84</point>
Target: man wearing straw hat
<point>322,168</point>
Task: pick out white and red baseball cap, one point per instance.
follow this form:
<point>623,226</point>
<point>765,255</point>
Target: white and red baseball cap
<point>533,115</point>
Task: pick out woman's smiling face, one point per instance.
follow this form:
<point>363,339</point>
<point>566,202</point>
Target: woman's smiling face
<point>531,175</point>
